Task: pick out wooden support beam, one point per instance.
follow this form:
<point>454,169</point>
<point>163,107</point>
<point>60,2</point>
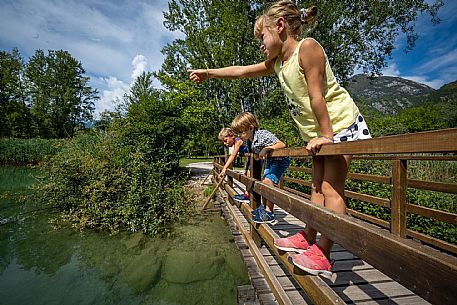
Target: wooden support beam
<point>427,272</point>
<point>212,194</point>
<point>254,198</point>
<point>210,173</point>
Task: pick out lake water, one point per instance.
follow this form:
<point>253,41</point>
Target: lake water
<point>41,263</point>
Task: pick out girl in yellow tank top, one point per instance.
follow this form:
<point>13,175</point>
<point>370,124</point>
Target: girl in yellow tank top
<point>323,111</point>
<point>340,106</point>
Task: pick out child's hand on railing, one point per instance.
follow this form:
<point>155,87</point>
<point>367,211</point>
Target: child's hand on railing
<point>315,144</point>
<point>263,154</point>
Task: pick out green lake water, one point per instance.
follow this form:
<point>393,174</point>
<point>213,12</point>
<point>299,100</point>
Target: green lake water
<point>42,264</point>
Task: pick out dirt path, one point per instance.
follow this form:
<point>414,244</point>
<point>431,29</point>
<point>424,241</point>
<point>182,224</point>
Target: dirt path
<point>199,170</point>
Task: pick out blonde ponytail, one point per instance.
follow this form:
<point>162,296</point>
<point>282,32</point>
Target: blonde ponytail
<point>309,15</point>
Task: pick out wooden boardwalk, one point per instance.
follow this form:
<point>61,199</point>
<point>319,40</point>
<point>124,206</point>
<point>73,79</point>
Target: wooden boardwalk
<point>354,281</point>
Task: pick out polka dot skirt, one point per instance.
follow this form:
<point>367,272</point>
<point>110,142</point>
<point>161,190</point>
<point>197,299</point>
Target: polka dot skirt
<point>357,131</point>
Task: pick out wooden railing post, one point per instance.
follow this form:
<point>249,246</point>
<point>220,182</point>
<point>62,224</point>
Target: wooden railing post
<point>255,199</point>
<point>229,179</point>
<point>398,204</point>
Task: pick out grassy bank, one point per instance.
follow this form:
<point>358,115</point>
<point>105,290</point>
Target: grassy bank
<point>186,161</point>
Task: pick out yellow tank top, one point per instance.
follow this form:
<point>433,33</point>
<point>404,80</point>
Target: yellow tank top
<point>341,108</point>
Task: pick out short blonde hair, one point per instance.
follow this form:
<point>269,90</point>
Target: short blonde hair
<point>226,132</point>
<point>244,121</point>
<point>288,10</point>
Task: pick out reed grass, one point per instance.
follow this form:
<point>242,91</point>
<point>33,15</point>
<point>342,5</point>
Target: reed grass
<point>27,151</point>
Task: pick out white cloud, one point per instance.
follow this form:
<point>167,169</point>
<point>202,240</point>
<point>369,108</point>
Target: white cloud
<point>139,64</point>
<point>116,89</point>
<point>437,70</point>
<point>440,62</point>
<point>104,35</point>
<point>434,59</point>
<point>391,70</point>
<point>434,83</point>
<point>111,97</point>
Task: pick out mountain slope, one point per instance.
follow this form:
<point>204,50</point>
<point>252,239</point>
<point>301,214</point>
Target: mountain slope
<point>389,95</point>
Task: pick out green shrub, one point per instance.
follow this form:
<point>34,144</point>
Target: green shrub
<point>122,177</point>
<point>98,189</point>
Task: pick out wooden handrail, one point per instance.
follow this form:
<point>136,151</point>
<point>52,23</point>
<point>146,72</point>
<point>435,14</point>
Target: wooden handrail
<point>434,214</point>
<point>314,286</point>
<point>404,260</point>
<point>438,141</point>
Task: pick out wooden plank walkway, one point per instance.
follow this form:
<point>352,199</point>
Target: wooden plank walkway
<point>355,281</point>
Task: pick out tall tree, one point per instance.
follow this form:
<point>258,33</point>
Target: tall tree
<point>218,33</point>
<point>142,88</point>
<point>362,34</point>
<point>60,96</point>
<point>355,34</point>
<point>14,114</point>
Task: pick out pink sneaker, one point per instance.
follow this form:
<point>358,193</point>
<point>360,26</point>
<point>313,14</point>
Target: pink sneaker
<point>297,242</point>
<point>313,261</point>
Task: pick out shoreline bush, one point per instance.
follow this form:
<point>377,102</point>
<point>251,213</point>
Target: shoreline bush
<point>124,176</point>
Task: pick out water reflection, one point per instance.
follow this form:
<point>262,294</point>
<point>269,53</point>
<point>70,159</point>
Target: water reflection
<point>198,264</point>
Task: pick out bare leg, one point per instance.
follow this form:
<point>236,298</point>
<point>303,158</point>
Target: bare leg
<point>317,196</point>
<point>335,172</point>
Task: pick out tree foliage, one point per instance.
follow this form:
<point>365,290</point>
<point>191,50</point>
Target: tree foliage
<point>362,34</point>
<point>154,126</point>
<point>355,34</point>
<point>199,118</point>
<point>410,120</point>
<point>141,89</point>
<point>14,113</point>
<point>123,175</point>
<point>60,98</point>
<point>218,33</point>
<point>47,97</point>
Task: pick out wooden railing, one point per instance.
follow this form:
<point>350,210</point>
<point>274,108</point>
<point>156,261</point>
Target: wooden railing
<point>389,246</point>
<point>397,203</point>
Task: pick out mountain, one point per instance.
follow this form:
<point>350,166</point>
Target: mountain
<point>451,87</point>
<point>389,95</point>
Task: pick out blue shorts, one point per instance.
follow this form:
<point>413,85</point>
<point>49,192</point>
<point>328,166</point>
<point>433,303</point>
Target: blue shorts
<point>275,168</point>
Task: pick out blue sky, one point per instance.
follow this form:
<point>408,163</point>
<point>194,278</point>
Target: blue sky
<point>117,40</point>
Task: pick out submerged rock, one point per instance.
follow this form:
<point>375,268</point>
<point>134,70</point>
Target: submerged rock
<point>187,267</point>
<point>134,241</point>
<point>143,272</point>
